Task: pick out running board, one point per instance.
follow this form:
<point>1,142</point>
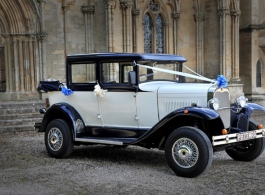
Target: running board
<point>98,141</point>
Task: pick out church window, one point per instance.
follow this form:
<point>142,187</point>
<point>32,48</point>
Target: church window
<point>2,70</point>
<point>159,34</point>
<point>258,74</point>
<point>147,34</point>
<point>153,29</point>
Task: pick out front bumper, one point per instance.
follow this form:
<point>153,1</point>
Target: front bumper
<point>237,137</point>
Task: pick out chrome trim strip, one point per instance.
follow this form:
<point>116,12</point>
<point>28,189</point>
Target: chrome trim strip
<point>224,108</point>
<point>232,138</point>
<point>210,93</point>
<point>98,141</point>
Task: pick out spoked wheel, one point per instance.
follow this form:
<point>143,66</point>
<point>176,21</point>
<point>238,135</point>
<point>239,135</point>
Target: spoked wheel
<point>185,152</point>
<point>58,139</point>
<point>188,152</point>
<point>249,150</point>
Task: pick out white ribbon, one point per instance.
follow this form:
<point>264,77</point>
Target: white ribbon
<point>98,91</point>
<point>178,73</point>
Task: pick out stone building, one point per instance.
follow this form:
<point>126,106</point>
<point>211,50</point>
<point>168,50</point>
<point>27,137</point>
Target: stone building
<point>216,36</point>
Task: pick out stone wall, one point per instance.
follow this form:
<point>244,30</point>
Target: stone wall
<point>211,39</point>
<point>252,48</point>
<point>216,37</point>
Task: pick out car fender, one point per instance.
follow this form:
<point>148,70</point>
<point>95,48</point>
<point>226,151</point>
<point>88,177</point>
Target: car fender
<point>240,120</point>
<point>197,112</point>
<point>61,111</point>
<point>250,107</point>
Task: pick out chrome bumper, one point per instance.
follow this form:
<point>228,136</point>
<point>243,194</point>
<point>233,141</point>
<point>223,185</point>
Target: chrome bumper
<point>237,137</point>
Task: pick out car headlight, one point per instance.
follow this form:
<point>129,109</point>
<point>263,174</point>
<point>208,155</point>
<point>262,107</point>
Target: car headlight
<point>241,101</point>
<point>213,103</point>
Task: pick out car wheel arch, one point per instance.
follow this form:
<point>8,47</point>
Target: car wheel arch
<point>62,111</point>
<point>161,131</point>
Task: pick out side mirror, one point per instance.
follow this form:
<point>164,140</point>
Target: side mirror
<point>132,77</point>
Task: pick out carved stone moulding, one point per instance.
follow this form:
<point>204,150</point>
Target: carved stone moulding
<point>176,15</point>
<point>110,3</point>
<point>154,5</point>
<point>88,9</point>
<point>135,12</point>
<point>125,4</point>
<point>223,12</point>
<point>41,36</point>
<point>235,13</point>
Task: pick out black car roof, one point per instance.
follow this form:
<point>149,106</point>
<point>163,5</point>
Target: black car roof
<point>125,56</point>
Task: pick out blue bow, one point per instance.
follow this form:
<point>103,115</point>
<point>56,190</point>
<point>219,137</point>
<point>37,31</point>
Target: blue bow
<point>221,81</point>
<point>66,91</point>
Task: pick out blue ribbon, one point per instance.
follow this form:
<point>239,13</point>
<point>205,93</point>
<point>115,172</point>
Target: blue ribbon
<point>66,91</point>
<point>221,81</point>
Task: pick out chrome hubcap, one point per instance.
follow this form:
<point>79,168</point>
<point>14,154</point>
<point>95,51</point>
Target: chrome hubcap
<point>55,139</point>
<point>185,153</point>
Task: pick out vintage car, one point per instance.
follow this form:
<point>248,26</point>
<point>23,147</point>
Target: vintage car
<point>147,100</point>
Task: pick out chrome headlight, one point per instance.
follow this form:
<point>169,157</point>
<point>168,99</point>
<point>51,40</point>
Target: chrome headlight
<point>213,103</point>
<point>241,101</point>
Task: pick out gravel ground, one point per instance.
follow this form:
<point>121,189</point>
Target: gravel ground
<point>26,168</point>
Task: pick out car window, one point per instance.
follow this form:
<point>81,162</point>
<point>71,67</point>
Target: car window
<point>150,75</point>
<point>116,72</point>
<point>83,73</point>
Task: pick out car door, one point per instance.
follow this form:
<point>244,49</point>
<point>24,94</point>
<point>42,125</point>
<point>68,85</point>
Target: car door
<point>83,79</point>
<point>118,105</point>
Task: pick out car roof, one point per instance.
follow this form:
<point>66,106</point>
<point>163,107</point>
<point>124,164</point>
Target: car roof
<point>125,56</point>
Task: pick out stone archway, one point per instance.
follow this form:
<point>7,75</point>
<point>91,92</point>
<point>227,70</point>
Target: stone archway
<point>20,28</point>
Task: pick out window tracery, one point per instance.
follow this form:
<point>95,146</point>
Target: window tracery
<point>153,28</point>
<point>159,34</point>
<point>154,5</point>
<point>147,33</point>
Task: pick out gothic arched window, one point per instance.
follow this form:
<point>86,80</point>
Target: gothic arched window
<point>258,74</point>
<point>159,34</point>
<point>153,29</point>
<point>147,33</point>
<point>2,70</point>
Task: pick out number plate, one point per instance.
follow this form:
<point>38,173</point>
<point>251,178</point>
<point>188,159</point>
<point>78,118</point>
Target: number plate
<point>246,136</point>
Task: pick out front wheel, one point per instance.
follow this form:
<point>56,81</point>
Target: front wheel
<point>249,150</point>
<point>188,152</point>
<point>58,139</point>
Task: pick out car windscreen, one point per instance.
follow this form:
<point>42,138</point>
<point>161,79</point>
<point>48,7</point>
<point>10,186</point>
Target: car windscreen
<point>148,74</point>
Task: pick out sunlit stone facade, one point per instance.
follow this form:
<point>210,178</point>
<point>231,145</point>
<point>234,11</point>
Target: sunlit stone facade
<point>216,36</point>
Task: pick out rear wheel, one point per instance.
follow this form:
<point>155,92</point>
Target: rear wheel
<point>188,152</point>
<point>58,139</point>
<point>249,150</point>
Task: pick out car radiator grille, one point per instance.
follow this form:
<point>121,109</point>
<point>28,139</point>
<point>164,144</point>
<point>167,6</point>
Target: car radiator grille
<point>224,105</point>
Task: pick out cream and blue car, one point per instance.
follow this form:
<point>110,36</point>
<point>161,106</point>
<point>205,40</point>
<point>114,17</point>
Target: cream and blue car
<point>148,100</point>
